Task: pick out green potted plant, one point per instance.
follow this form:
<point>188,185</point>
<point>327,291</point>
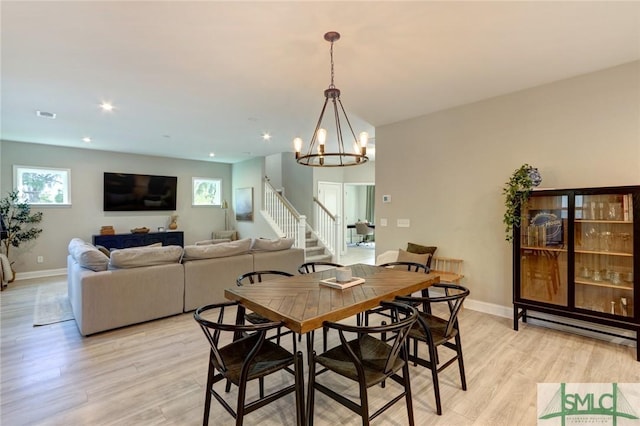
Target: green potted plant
<point>516,192</point>
<point>20,222</point>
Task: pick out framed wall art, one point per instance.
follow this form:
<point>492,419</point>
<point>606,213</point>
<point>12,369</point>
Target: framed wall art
<point>206,191</point>
<point>244,204</point>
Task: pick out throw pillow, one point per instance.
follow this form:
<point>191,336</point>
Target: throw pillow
<point>136,257</point>
<point>211,251</point>
<point>405,256</point>
<point>272,245</point>
<point>420,249</point>
<point>215,241</point>
<point>104,250</point>
<point>231,235</point>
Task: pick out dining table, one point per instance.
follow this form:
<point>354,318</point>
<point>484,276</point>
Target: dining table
<point>303,302</point>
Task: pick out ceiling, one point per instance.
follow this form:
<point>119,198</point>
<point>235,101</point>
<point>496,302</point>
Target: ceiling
<point>190,78</point>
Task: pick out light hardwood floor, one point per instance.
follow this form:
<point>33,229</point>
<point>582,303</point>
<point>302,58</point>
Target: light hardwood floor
<point>154,373</point>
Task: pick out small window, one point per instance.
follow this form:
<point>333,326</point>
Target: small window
<point>207,192</point>
<point>43,185</point>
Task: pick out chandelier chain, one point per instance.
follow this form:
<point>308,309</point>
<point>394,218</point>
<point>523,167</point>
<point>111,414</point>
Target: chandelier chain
<point>331,86</point>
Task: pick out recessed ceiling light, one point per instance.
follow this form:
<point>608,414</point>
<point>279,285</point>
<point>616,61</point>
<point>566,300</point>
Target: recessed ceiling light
<point>86,139</point>
<point>266,136</point>
<point>45,114</point>
<point>211,154</point>
<point>106,106</point>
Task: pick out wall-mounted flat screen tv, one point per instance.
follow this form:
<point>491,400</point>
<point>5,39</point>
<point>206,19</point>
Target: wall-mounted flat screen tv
<point>133,192</point>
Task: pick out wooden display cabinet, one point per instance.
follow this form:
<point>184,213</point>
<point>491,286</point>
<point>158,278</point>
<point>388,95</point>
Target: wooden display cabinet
<point>575,255</point>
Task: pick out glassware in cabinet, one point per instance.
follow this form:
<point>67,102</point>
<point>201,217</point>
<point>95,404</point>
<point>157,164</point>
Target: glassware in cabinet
<point>543,251</point>
<point>603,267</point>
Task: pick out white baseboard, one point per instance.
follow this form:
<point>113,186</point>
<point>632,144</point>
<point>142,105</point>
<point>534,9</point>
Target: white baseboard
<point>40,274</point>
<point>489,308</point>
<point>507,312</point>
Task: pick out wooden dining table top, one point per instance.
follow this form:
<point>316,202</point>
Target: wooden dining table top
<point>303,303</point>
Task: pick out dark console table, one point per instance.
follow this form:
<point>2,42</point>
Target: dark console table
<point>120,241</point>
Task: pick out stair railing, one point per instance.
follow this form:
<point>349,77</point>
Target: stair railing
<point>327,229</point>
<point>283,217</point>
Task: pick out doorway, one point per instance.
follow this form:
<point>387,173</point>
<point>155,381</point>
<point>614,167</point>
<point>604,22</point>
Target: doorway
<point>359,205</point>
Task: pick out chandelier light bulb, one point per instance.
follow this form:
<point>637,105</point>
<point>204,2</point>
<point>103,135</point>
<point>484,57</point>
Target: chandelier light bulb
<point>322,136</point>
<point>297,145</point>
<point>364,139</point>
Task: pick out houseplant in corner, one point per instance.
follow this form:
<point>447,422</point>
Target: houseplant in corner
<point>516,192</point>
<point>20,222</point>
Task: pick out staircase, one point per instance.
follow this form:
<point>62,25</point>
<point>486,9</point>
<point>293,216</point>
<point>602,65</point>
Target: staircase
<point>321,243</point>
<point>313,251</point>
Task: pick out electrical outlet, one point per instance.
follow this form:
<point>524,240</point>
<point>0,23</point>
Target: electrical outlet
<point>40,259</point>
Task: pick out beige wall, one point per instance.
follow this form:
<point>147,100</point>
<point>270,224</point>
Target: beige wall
<point>85,216</point>
<point>445,171</point>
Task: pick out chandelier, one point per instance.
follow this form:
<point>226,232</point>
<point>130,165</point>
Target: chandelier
<point>317,155</point>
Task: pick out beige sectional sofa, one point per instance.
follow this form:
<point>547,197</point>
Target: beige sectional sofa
<point>145,283</point>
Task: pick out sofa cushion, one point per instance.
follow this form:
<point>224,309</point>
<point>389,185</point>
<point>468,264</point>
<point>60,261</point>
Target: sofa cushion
<point>136,257</point>
<point>87,255</point>
<point>405,256</point>
<point>214,241</point>
<point>210,251</point>
<point>261,244</point>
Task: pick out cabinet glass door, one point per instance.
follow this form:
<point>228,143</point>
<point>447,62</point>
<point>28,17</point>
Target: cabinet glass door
<point>604,253</point>
<point>543,250</point>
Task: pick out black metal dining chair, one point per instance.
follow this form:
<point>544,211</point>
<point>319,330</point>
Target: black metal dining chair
<point>409,266</point>
<point>258,277</point>
<point>248,356</point>
<point>310,267</point>
<point>368,361</point>
<point>436,331</point>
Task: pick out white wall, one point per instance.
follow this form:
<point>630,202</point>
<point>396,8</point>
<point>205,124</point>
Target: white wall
<point>250,174</point>
<point>298,184</point>
<point>85,216</point>
<point>273,169</point>
<point>445,171</point>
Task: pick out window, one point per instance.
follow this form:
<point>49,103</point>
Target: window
<point>42,185</point>
<point>207,192</point>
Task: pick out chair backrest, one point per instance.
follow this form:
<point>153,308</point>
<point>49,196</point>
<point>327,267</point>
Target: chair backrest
<point>454,295</point>
<point>409,266</point>
<point>309,267</point>
<point>211,319</point>
<point>362,228</point>
<point>259,276</point>
<point>446,264</point>
<point>403,317</point>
